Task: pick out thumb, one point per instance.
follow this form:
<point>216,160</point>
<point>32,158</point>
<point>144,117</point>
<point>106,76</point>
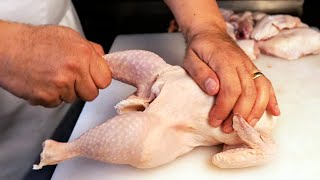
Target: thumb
<point>100,72</point>
<point>201,73</point>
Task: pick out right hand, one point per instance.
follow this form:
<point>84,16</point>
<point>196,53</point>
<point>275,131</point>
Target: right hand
<point>47,65</point>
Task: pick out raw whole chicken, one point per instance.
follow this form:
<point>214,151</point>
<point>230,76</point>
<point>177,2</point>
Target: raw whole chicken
<point>165,118</point>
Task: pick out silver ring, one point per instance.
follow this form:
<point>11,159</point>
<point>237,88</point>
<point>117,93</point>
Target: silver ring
<point>257,74</point>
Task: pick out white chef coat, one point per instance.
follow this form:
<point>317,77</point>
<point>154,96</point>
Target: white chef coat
<point>24,127</point>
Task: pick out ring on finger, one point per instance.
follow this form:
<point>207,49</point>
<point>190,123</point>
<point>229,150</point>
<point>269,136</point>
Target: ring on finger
<point>257,74</point>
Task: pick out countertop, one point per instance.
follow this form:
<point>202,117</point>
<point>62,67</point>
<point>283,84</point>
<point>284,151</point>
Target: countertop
<point>297,133</point>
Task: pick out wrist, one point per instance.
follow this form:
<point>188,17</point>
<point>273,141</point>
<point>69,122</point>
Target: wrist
<point>204,27</point>
<point>10,46</point>
<point>194,16</point>
<point>10,35</point>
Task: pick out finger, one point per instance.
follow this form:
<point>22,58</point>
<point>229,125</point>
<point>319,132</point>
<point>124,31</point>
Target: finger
<point>100,72</point>
<point>202,74</point>
<point>45,103</point>
<point>86,89</point>
<point>97,47</point>
<point>272,106</point>
<point>45,99</point>
<point>227,124</point>
<point>68,94</point>
<point>246,100</point>
<point>229,93</point>
<point>263,94</point>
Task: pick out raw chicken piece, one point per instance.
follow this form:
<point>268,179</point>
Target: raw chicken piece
<point>292,43</point>
<point>271,25</point>
<point>226,13</point>
<point>250,47</point>
<point>244,24</point>
<point>257,16</point>
<point>156,124</point>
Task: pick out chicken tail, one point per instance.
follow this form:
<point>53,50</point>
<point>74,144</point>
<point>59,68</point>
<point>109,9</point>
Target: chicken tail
<point>54,152</point>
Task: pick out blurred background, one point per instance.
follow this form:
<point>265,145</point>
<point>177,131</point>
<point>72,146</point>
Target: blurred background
<point>102,21</point>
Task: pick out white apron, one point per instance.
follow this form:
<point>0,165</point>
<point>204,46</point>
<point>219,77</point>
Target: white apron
<point>24,127</point>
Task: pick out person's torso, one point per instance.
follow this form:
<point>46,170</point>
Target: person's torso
<point>33,11</point>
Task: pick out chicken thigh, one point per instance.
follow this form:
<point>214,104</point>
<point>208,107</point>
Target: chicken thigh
<point>165,118</point>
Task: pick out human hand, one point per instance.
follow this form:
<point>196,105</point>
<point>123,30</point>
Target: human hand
<point>49,64</point>
<point>221,68</point>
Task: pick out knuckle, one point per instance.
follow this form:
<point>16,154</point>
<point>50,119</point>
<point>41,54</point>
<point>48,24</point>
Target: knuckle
<point>91,96</point>
<point>68,96</point>
<point>84,49</point>
<point>98,47</point>
<point>197,74</point>
<point>233,91</point>
<point>69,99</point>
<point>61,82</point>
<point>268,84</point>
<point>220,111</point>
<point>249,92</point>
<point>256,113</point>
<point>71,64</point>
<point>46,99</point>
<point>49,99</point>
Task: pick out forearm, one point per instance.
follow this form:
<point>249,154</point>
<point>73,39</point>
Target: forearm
<point>194,16</point>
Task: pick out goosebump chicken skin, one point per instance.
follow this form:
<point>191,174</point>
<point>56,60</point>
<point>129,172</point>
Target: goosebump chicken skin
<point>165,118</point>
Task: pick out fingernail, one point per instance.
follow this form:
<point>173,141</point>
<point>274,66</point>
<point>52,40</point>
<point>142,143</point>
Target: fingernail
<point>210,85</point>
<point>228,129</point>
<point>216,123</point>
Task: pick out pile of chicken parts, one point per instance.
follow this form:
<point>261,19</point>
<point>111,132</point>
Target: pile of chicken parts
<point>279,35</point>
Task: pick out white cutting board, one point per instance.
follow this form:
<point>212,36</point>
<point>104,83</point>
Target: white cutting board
<point>297,133</point>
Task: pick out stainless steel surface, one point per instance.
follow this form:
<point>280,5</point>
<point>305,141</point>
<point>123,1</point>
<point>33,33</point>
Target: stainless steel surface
<point>268,6</point>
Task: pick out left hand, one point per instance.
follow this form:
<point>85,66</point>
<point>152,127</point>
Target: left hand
<point>221,68</point>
